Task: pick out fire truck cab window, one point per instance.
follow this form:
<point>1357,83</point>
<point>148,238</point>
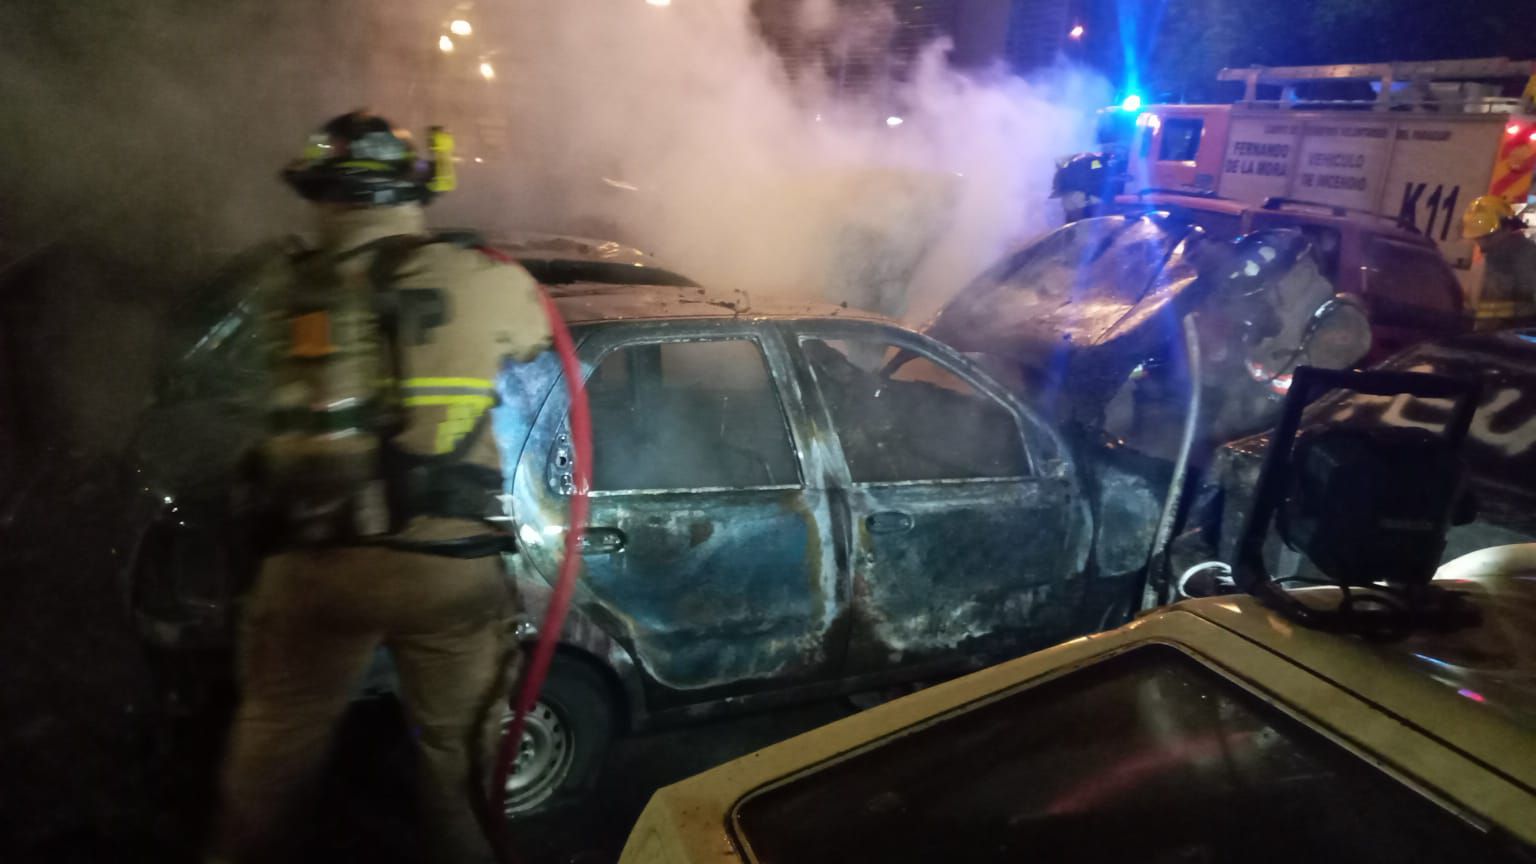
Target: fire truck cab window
<point>1181,139</point>
<point>687,415</point>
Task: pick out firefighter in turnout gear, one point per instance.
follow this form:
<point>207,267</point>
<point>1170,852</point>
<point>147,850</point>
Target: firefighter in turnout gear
<point>1508,254</point>
<point>380,470</point>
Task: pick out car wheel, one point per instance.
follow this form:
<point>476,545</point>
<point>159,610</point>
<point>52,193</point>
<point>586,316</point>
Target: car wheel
<point>565,738</point>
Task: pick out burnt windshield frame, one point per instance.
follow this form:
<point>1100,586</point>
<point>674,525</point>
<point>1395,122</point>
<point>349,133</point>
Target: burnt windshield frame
<point>1043,442</point>
<point>860,462</point>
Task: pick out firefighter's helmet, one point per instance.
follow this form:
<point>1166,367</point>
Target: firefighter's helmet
<point>360,159</point>
<point>1486,216</point>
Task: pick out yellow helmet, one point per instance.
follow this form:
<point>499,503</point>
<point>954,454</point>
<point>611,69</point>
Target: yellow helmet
<point>1485,216</point>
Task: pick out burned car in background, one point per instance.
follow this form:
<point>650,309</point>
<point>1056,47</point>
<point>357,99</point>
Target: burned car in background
<point>1150,342</point>
<point>1113,323</point>
<point>1409,289</point>
<point>1500,454</point>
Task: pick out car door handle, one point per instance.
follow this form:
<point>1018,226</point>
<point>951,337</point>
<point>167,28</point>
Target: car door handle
<point>888,522</point>
<point>602,541</point>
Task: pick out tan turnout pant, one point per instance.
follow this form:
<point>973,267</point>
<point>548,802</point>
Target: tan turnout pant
<point>309,632</point>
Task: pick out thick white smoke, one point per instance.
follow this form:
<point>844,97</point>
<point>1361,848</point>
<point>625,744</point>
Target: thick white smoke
<point>680,130</point>
<point>145,136</point>
<point>161,128</point>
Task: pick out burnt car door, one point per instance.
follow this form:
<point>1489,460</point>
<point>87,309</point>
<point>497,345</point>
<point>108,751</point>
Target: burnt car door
<point>967,530</point>
<point>705,555</point>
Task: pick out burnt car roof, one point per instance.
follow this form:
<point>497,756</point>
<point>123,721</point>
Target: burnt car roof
<point>591,303</point>
<point>560,259</point>
<point>568,246</point>
<point>1080,287</point>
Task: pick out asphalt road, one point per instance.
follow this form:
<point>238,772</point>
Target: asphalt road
<point>368,796</point>
<point>366,812</point>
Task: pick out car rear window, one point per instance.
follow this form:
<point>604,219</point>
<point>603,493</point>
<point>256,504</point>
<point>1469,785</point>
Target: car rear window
<point>1411,285</point>
<point>1148,756</point>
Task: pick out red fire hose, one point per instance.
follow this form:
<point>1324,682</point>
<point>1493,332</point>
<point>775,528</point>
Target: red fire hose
<point>565,583</point>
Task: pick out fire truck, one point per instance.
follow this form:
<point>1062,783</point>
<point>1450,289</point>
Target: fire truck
<point>1416,142</point>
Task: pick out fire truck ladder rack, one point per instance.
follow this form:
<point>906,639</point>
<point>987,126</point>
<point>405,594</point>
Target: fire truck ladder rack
<point>1417,78</point>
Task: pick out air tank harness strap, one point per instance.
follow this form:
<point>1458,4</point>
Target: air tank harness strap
<point>479,546</point>
<point>442,485</point>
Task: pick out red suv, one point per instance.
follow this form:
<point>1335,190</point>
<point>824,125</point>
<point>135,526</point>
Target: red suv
<point>1411,292</point>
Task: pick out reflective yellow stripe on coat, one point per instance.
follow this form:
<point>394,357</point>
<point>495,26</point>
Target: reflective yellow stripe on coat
<point>465,398</point>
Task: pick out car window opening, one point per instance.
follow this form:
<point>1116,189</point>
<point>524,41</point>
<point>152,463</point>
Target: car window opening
<point>900,416</point>
<point>688,415</point>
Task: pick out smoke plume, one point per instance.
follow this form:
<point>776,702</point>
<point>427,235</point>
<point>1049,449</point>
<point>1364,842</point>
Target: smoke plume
<point>679,129</point>
<point>143,141</point>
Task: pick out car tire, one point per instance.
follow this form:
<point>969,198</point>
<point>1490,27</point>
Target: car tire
<point>565,738</point>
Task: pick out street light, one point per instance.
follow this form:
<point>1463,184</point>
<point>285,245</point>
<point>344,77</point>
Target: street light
<point>445,44</point>
<point>893,121</point>
<point>659,2</point>
<point>1077,31</point>
<point>460,27</point>
<point>487,71</point>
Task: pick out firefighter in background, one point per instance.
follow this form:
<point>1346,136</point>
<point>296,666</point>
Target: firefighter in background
<point>378,471</point>
<point>1509,255</point>
<point>1085,181</point>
